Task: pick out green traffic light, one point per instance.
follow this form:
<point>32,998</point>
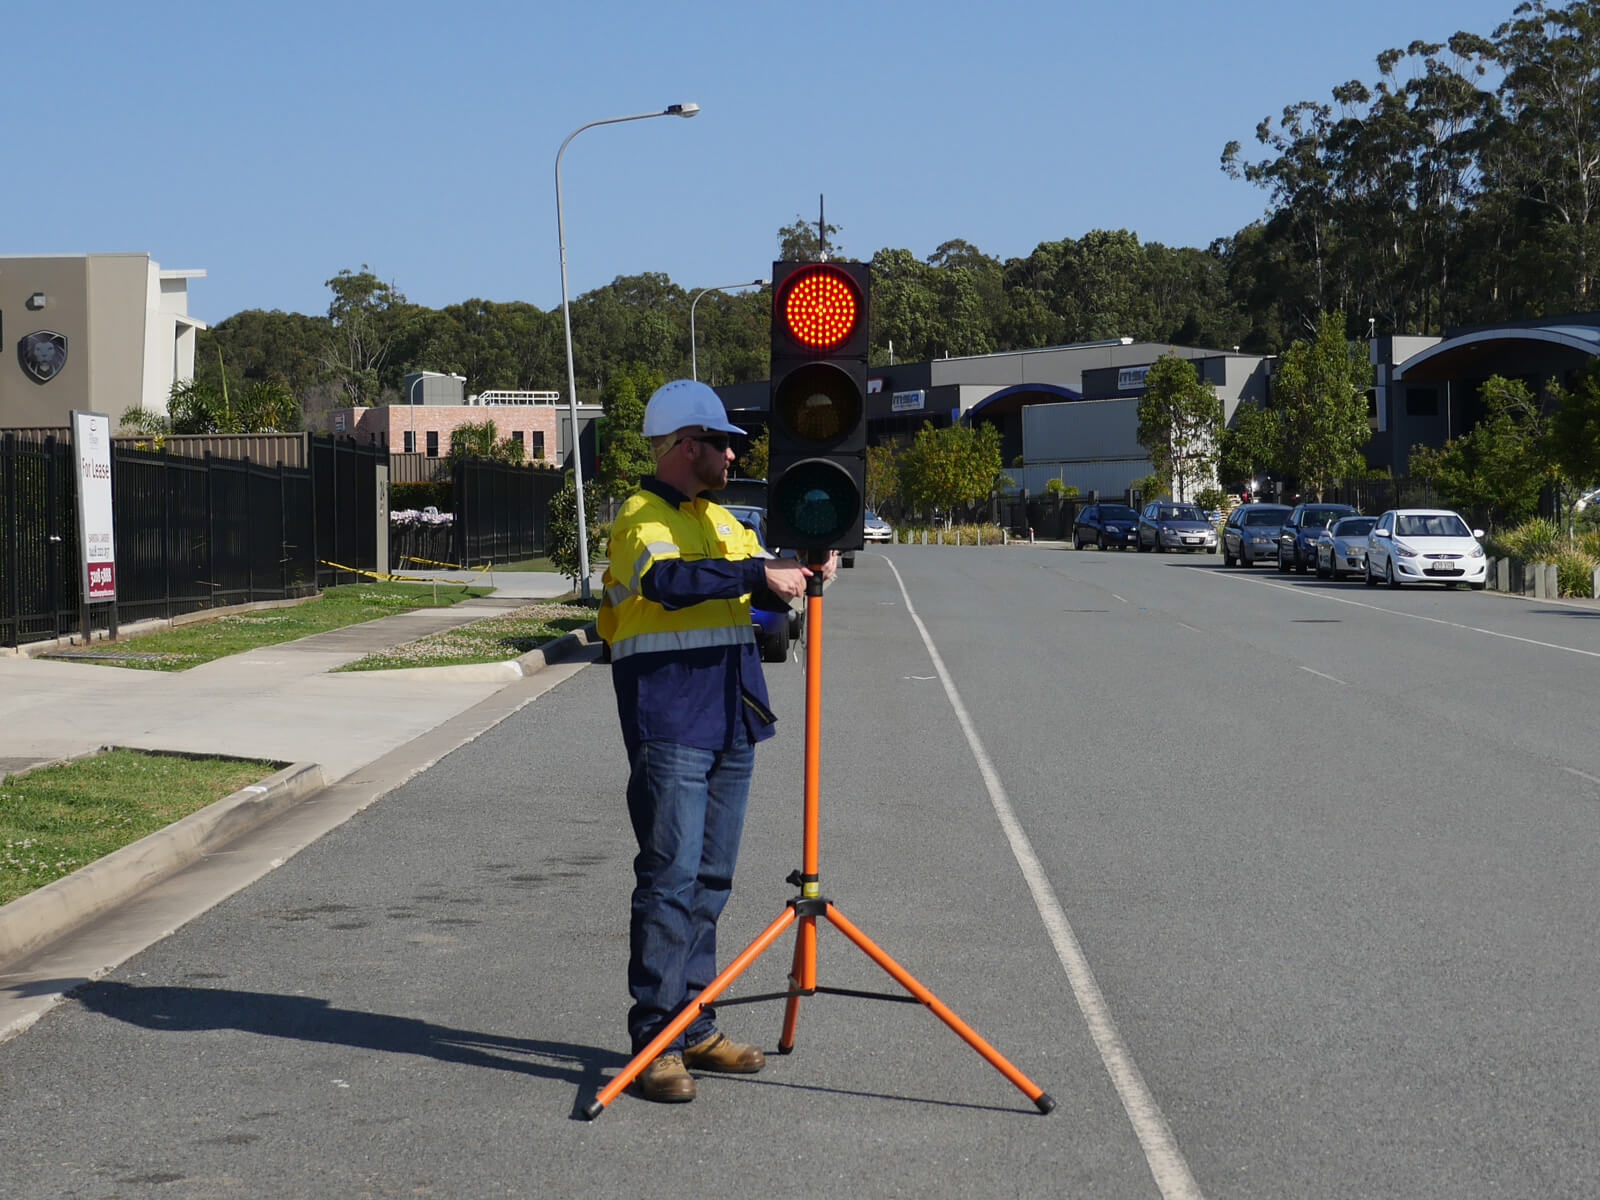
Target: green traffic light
<point>818,499</point>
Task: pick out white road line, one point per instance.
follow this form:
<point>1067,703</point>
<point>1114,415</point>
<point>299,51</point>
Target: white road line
<point>1320,675</point>
<point>1114,596</point>
<point>1580,774</point>
<point>1190,628</point>
<point>1166,1162</point>
<point>1318,594</point>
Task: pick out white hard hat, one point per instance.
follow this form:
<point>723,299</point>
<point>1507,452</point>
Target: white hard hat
<point>682,403</point>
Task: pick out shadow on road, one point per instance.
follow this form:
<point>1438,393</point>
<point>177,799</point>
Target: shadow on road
<point>309,1019</point>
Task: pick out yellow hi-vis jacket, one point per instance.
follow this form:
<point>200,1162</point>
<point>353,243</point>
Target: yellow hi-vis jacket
<point>650,529</point>
<point>684,662</point>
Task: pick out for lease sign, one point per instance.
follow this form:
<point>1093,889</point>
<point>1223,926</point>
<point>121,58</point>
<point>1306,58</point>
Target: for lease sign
<point>91,451</point>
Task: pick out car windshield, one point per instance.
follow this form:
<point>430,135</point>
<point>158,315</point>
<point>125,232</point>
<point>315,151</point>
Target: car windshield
<point>1266,516</point>
<point>1180,512</point>
<point>1354,527</point>
<point>1115,512</point>
<point>1320,518</point>
<point>1431,525</point>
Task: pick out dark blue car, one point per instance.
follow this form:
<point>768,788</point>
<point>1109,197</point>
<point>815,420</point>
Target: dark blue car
<point>1297,540</point>
<point>775,627</point>
<point>1108,526</point>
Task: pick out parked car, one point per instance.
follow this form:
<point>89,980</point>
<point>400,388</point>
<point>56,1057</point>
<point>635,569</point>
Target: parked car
<point>1425,545</point>
<point>1343,547</point>
<point>1297,540</point>
<point>1251,533</point>
<point>776,624</point>
<point>1107,526</point>
<point>1170,525</point>
<point>875,529</point>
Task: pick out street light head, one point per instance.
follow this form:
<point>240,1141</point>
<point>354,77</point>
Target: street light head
<point>683,110</point>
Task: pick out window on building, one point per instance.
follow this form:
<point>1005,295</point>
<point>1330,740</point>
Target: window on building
<point>410,442</point>
<point>536,446</point>
<point>1422,402</point>
<point>433,443</point>
<point>516,436</point>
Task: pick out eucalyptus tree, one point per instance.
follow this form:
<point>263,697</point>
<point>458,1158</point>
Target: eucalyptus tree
<point>367,317</point>
<point>803,241</point>
<point>1549,147</point>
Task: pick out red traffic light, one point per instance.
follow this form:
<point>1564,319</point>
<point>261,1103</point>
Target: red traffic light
<point>819,306</point>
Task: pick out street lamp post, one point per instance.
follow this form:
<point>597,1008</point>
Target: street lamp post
<point>672,110</point>
<point>694,364</point>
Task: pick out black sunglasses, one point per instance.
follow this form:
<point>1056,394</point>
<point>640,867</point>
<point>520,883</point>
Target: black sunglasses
<point>717,441</point>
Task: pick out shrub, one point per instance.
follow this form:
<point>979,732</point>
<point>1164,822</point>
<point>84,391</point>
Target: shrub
<point>1575,572</point>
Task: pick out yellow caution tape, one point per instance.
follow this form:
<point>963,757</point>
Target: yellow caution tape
<point>391,577</point>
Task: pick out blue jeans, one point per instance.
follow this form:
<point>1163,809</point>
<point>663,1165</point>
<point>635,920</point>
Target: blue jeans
<point>687,807</point>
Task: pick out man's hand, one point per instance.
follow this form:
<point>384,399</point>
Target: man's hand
<point>787,576</point>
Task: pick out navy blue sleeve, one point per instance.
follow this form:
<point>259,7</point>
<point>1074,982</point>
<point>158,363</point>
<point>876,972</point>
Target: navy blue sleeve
<point>673,583</point>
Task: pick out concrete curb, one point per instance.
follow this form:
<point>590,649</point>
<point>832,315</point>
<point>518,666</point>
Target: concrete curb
<point>42,916</point>
<point>500,672</point>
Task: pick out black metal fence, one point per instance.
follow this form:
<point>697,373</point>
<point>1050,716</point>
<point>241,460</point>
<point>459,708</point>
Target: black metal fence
<point>190,533</point>
<point>501,511</point>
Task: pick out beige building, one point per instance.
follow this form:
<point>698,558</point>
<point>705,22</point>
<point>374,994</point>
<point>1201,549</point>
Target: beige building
<point>102,332</point>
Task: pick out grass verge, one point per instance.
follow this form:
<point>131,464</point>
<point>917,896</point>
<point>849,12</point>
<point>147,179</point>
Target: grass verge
<point>494,639</point>
<point>187,646</point>
<point>59,818</point>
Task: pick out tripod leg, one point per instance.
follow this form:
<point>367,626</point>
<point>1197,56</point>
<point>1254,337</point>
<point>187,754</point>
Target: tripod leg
<point>1041,1099</point>
<point>687,1015</point>
<point>802,979</point>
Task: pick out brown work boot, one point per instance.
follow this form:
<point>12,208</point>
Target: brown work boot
<point>719,1053</point>
<point>666,1082</point>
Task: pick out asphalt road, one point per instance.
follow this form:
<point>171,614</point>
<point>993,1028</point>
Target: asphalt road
<point>1281,888</point>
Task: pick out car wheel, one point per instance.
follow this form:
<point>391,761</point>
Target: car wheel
<point>1388,573</point>
<point>1140,546</point>
<point>1367,576</point>
<point>1227,559</point>
<point>1077,540</point>
<point>1478,587</point>
<point>775,647</point>
<point>1244,560</point>
<point>1283,567</point>
<point>1300,563</point>
<point>1322,571</point>
<point>1334,573</point>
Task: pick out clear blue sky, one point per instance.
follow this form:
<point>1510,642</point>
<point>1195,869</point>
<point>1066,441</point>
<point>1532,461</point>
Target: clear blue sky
<point>274,144</point>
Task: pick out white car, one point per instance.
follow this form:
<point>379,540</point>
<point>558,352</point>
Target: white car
<point>1425,545</point>
<point>875,529</point>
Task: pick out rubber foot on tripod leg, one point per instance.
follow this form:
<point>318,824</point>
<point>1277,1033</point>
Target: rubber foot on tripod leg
<point>1045,1103</point>
<point>594,1108</point>
<point>782,1049</point>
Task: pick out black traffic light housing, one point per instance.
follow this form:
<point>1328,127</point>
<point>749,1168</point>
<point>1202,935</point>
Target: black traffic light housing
<point>817,458</point>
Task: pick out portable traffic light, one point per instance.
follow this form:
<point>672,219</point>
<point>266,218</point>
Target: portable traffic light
<point>817,458</point>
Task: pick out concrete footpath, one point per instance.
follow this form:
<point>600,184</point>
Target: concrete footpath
<point>343,740</point>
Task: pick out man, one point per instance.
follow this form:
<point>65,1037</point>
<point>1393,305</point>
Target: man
<point>692,702</point>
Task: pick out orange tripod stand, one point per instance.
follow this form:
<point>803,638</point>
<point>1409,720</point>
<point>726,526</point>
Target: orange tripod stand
<point>806,908</point>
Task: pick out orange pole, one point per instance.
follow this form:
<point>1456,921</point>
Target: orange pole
<point>966,1032</point>
<point>812,890</point>
<point>682,1021</point>
<point>805,943</point>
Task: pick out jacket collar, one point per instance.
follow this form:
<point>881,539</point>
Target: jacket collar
<point>666,491</point>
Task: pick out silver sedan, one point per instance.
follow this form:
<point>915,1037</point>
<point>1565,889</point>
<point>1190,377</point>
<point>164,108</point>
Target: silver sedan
<point>1343,547</point>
